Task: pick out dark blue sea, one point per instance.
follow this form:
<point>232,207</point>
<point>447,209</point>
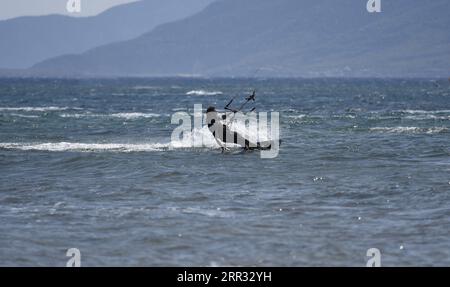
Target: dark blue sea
<point>90,164</point>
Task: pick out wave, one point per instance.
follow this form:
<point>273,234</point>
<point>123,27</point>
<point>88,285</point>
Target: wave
<point>203,93</point>
<point>75,115</point>
<point>297,116</point>
<point>426,117</point>
<point>84,147</point>
<point>24,116</point>
<point>413,130</point>
<point>344,116</point>
<point>197,138</point>
<point>424,112</point>
<point>207,141</point>
<point>414,115</point>
<point>128,116</point>
<point>36,109</point>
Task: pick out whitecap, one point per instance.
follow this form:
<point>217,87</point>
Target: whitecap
<point>197,138</point>
<point>203,93</point>
<point>415,130</point>
<point>296,116</point>
<point>24,116</point>
<point>206,212</point>
<point>84,147</point>
<point>424,112</point>
<point>75,115</point>
<point>35,109</point>
<point>179,109</point>
<point>204,137</point>
<point>130,116</point>
<point>422,117</point>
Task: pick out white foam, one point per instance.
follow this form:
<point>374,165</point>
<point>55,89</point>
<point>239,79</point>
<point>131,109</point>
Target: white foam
<point>130,116</point>
<point>203,136</point>
<point>422,117</point>
<point>84,147</point>
<point>424,112</point>
<point>296,116</point>
<point>416,115</point>
<point>432,130</point>
<point>203,93</point>
<point>207,141</point>
<point>197,138</point>
<point>206,212</point>
<point>251,132</point>
<point>179,109</point>
<point>75,115</point>
<point>35,109</point>
<point>24,116</point>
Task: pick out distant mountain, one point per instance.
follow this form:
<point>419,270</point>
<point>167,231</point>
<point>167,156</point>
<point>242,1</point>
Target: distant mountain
<point>25,41</point>
<point>281,38</point>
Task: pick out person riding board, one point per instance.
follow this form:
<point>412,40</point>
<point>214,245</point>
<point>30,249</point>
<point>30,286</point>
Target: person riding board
<point>223,134</point>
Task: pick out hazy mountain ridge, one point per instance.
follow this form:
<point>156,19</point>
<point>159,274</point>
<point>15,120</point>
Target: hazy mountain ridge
<point>281,38</point>
<point>26,41</point>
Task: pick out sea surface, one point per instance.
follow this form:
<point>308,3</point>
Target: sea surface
<point>90,164</point>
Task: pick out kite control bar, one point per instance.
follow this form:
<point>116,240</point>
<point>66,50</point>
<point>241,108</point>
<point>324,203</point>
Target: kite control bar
<point>247,100</point>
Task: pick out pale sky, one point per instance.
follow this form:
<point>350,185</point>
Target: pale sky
<point>16,8</point>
